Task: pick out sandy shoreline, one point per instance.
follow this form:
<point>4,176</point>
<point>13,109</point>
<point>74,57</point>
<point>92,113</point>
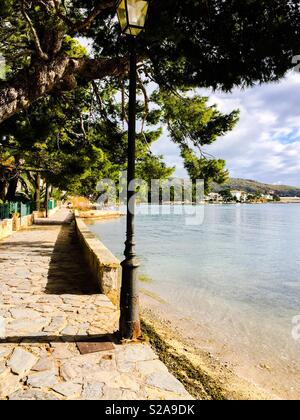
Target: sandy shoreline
<point>203,373</point>
<point>100,215</point>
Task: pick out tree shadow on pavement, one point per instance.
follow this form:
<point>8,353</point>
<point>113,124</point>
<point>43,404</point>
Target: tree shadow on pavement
<point>47,339</point>
<point>68,272</point>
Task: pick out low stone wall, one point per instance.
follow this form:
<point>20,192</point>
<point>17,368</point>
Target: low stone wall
<point>23,222</point>
<point>8,226</point>
<point>105,267</point>
<point>26,221</point>
<point>42,214</point>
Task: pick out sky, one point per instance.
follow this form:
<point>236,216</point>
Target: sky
<point>265,144</point>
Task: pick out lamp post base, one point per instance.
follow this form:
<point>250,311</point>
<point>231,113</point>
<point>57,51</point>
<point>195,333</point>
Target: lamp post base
<point>130,325</point>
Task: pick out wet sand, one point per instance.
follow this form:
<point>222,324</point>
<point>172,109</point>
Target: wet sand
<point>207,368</point>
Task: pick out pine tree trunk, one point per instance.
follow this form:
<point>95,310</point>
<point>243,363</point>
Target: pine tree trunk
<point>12,188</point>
<point>37,194</point>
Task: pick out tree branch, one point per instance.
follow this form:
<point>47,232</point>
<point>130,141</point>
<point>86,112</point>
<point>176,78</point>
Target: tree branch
<point>86,23</point>
<point>61,15</point>
<point>58,75</point>
<point>103,112</point>
<point>35,36</point>
<point>146,101</point>
<point>98,97</point>
<point>82,125</point>
<point>124,114</point>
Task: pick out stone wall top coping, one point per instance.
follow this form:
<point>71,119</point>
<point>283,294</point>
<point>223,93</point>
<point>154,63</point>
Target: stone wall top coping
<point>103,254</point>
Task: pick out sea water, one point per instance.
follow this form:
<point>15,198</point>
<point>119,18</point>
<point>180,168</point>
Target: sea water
<point>236,274</point>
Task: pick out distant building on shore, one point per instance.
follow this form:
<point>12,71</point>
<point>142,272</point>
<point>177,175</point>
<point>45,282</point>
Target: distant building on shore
<point>214,197</point>
<point>269,196</point>
<point>241,196</point>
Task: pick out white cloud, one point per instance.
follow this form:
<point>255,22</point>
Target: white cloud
<point>265,145</point>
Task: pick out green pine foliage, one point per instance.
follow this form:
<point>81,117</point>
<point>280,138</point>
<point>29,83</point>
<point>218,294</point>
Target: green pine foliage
<point>73,131</point>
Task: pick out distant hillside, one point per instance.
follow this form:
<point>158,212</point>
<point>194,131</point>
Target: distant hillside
<point>250,186</point>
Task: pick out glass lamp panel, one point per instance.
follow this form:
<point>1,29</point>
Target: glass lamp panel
<point>137,12</point>
<point>122,15</point>
<point>133,31</point>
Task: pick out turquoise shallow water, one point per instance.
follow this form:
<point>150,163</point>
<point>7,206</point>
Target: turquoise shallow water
<point>237,273</point>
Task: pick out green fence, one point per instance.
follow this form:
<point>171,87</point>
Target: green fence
<point>26,209</point>
<point>7,210</point>
<point>52,204</point>
<point>4,211</point>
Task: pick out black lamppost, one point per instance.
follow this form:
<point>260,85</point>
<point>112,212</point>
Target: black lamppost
<point>132,16</point>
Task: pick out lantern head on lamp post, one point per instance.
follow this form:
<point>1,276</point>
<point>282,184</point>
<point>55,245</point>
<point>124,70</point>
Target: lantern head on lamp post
<point>132,16</point>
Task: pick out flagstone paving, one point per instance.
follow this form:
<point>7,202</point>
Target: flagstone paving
<point>47,303</point>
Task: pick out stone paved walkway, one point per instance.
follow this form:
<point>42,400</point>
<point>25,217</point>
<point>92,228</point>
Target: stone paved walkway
<point>47,302</point>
